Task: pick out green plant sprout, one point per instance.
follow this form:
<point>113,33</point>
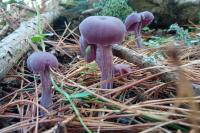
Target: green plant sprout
<point>68,97</point>
<point>40,26</point>
<point>116,8</point>
<point>88,50</point>
<point>83,95</point>
<point>39,38</point>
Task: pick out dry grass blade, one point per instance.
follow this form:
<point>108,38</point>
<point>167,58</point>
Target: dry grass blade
<point>184,88</point>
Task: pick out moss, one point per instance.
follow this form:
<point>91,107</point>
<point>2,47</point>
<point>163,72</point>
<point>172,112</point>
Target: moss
<point>116,8</point>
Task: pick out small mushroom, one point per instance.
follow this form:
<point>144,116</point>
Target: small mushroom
<point>88,51</point>
<point>120,69</point>
<point>146,18</point>
<point>132,21</point>
<point>41,62</point>
<point>136,21</point>
<point>103,31</point>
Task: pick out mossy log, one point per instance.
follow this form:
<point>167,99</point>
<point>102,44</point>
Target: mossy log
<point>142,61</point>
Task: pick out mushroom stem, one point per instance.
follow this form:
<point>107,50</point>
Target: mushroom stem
<point>104,61</point>
<point>46,98</point>
<point>138,35</point>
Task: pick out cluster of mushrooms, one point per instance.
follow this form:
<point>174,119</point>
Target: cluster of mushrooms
<point>98,33</point>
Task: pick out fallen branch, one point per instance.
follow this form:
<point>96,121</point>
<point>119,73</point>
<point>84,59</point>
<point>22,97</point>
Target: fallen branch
<point>15,45</point>
<point>141,61</point>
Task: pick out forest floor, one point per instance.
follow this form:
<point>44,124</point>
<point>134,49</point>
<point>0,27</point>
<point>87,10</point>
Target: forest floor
<point>140,101</point>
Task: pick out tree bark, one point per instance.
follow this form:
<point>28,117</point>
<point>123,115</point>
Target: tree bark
<point>15,45</point>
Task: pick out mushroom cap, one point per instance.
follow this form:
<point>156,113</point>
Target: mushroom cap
<point>147,17</point>
<point>132,21</point>
<point>39,61</point>
<point>102,30</point>
<point>91,56</point>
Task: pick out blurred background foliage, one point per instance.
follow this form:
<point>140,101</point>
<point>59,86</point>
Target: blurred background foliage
<point>116,8</point>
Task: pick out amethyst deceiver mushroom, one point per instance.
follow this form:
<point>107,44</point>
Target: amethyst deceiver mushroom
<point>41,62</point>
<point>136,21</point>
<point>87,50</point>
<point>146,18</point>
<point>103,31</point>
<point>120,69</point>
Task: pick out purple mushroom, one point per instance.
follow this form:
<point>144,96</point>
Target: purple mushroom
<point>102,32</point>
<point>136,21</point>
<point>89,55</point>
<point>120,69</point>
<point>40,62</point>
<point>147,17</point>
